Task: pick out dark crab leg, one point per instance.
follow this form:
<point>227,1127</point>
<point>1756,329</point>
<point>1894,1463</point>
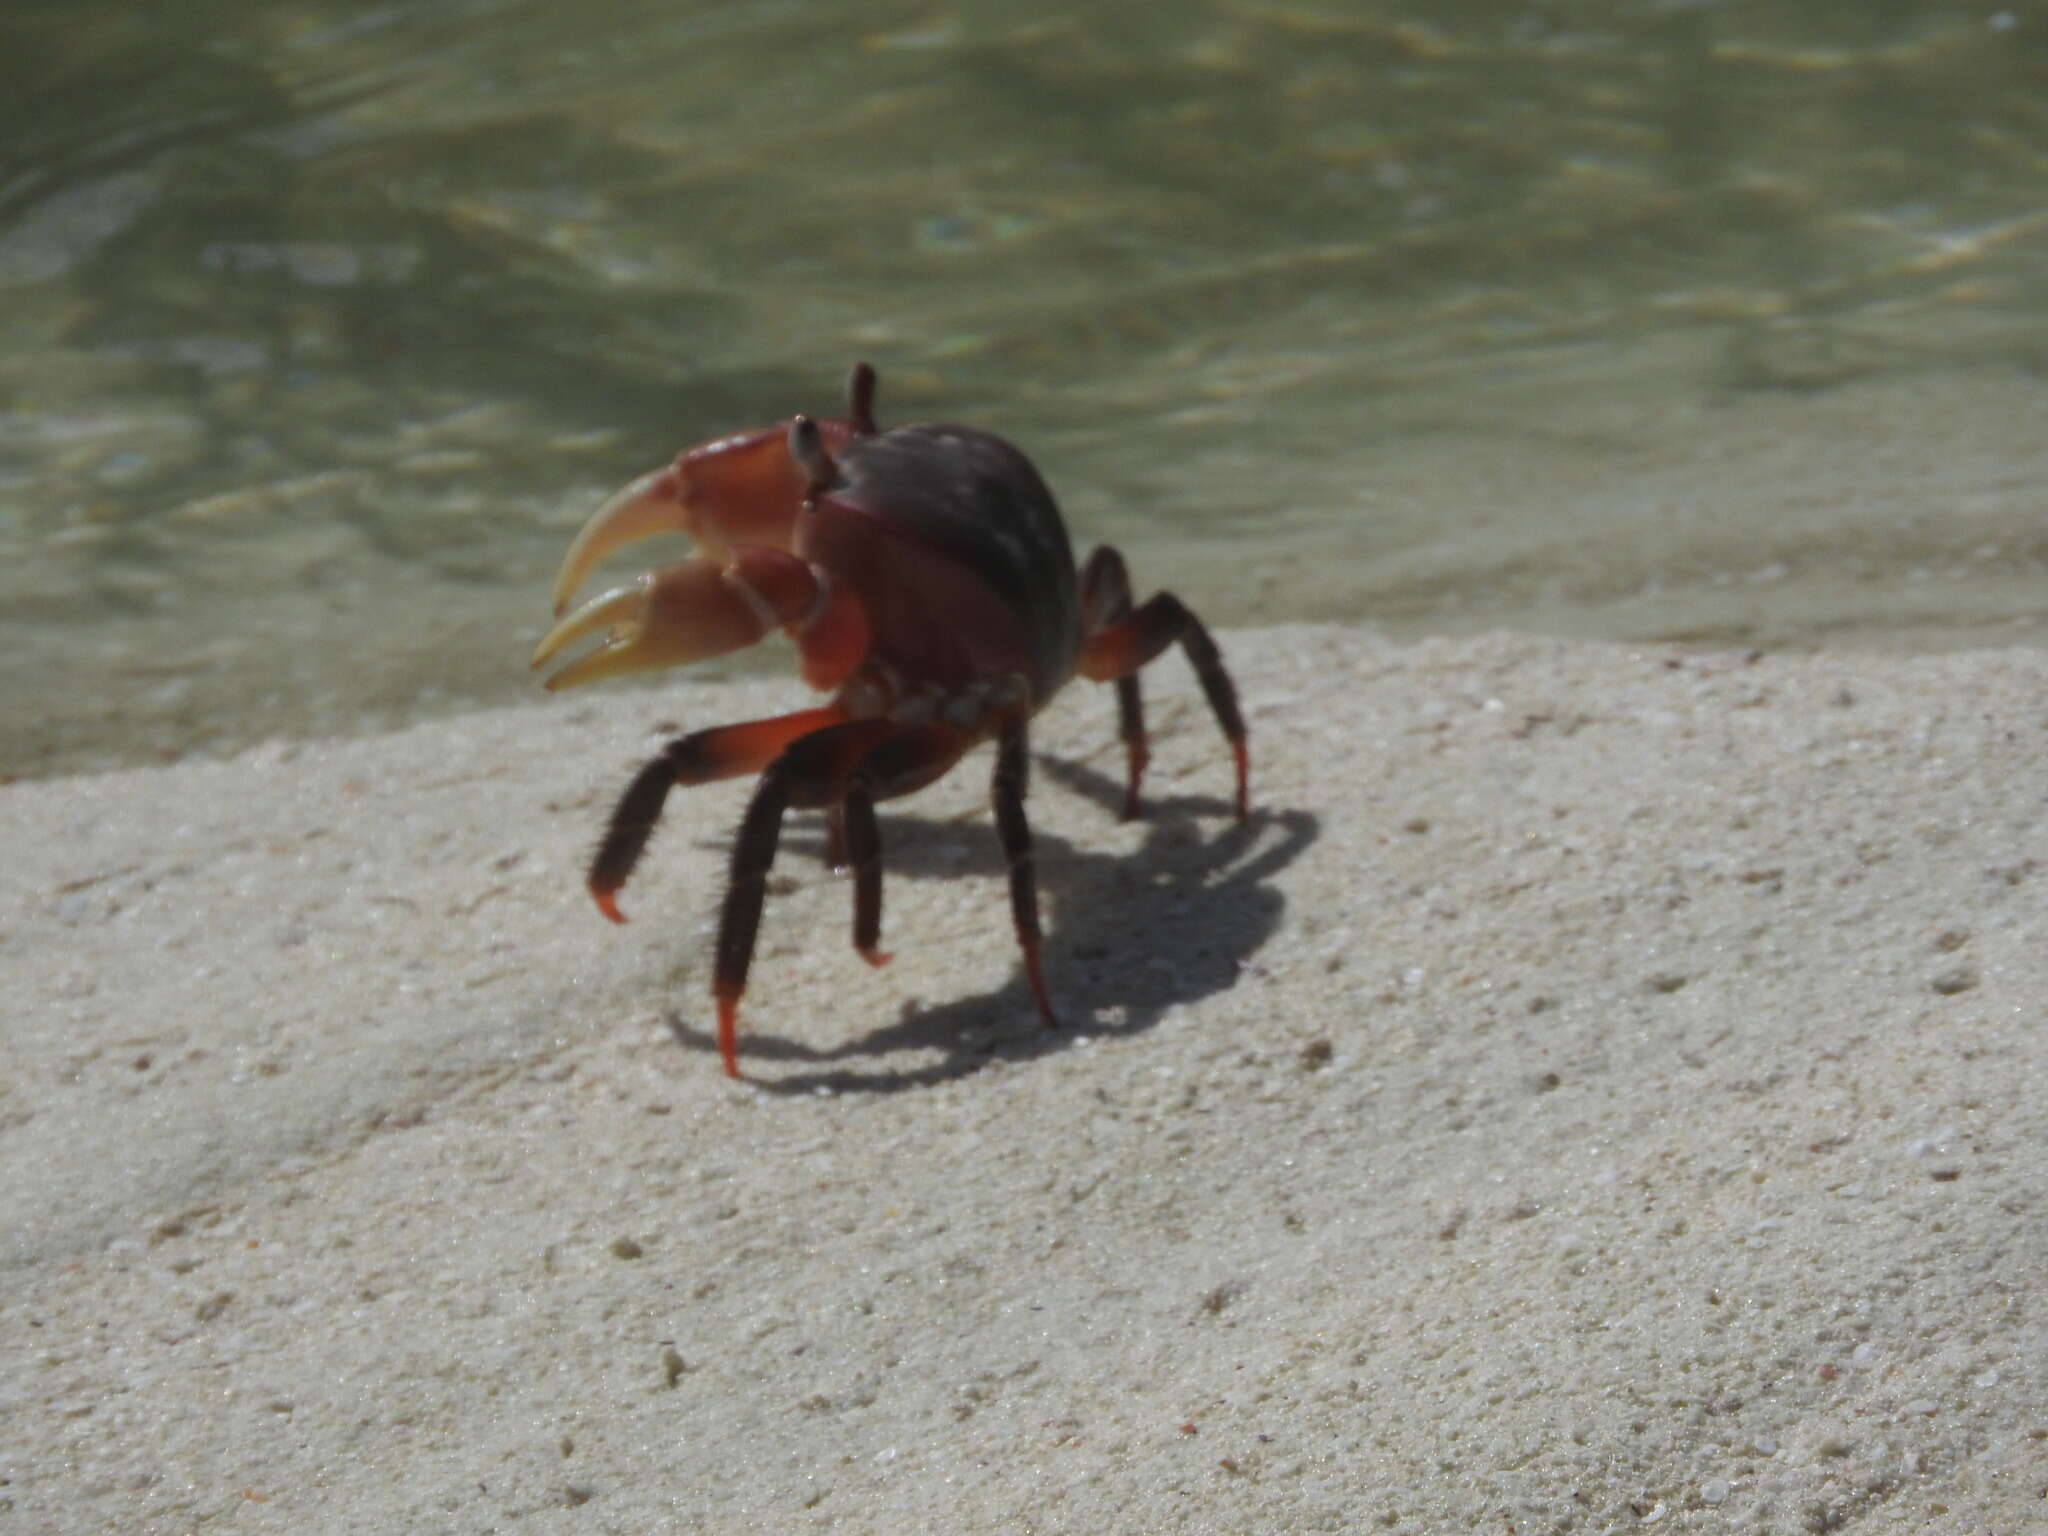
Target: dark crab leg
<point>1012,781</point>
<point>1118,651</point>
<point>1106,599</point>
<point>861,846</point>
<point>703,757</point>
<point>885,758</point>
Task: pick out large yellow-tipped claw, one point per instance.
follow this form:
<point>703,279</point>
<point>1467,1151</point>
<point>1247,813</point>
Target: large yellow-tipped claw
<point>652,504</point>
<point>680,613</point>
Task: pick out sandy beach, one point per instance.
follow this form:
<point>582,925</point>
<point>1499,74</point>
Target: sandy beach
<point>1601,1087</point>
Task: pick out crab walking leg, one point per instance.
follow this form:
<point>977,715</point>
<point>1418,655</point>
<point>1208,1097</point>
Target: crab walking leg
<point>817,771</point>
<point>703,757</point>
<point>1106,600</point>
<point>739,922</point>
<point>902,762</point>
<point>1130,643</point>
<point>1012,781</point>
<point>861,846</point>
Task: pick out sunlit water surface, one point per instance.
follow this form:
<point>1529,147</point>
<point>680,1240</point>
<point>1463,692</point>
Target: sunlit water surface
<point>322,326</point>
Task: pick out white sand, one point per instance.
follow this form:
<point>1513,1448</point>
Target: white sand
<point>1598,1089</point>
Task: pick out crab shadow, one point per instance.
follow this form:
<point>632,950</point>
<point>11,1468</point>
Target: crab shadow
<point>1127,936</point>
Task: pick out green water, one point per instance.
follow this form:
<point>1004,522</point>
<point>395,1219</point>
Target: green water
<point>322,326</point>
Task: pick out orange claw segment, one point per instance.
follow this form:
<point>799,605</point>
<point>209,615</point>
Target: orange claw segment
<point>742,489</point>
<point>834,640</point>
<point>746,489</point>
<point>784,586</point>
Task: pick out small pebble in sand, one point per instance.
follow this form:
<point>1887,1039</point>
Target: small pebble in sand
<point>1959,978</point>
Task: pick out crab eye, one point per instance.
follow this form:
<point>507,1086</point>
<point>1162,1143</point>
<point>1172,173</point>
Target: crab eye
<point>807,447</point>
<point>860,399</point>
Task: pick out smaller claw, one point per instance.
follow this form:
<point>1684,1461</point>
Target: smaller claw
<point>683,612</point>
<point>680,613</point>
<point>621,613</point>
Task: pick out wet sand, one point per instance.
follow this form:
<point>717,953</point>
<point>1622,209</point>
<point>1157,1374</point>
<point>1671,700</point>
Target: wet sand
<point>1600,1086</point>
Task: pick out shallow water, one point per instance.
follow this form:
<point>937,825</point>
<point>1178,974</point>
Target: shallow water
<point>323,326</point>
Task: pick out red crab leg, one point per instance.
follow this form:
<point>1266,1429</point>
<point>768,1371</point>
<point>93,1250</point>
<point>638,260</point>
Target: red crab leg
<point>703,757</point>
<point>1128,644</point>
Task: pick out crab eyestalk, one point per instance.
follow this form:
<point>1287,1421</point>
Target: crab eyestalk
<point>860,399</point>
<point>807,451</point>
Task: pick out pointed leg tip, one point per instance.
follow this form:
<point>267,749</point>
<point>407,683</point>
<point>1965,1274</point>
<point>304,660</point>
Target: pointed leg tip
<point>1041,996</point>
<point>607,903</point>
<point>729,1036</point>
<point>877,957</point>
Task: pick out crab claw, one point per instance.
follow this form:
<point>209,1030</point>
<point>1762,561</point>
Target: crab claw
<point>683,612</point>
<point>739,490</point>
<point>680,613</point>
<point>652,504</point>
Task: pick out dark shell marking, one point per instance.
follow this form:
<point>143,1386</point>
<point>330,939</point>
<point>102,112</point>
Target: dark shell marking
<point>979,502</point>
